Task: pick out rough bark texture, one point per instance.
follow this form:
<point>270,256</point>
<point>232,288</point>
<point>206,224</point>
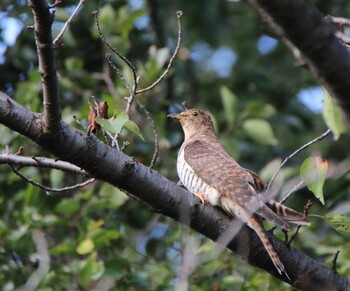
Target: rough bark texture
<point>43,19</point>
<point>164,196</point>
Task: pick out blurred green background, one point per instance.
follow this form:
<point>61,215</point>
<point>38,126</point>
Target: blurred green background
<point>265,106</point>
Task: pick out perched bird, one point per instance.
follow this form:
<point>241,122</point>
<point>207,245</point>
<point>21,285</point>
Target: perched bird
<point>207,171</point>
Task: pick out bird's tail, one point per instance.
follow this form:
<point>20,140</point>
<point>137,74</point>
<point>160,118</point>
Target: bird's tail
<point>268,246</point>
<point>288,214</point>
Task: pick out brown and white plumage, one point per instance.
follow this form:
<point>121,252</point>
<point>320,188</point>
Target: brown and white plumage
<point>207,171</point>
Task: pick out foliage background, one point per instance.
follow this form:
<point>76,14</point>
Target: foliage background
<point>229,64</point>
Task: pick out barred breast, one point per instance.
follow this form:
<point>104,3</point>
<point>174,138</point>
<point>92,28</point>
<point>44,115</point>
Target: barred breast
<point>194,183</point>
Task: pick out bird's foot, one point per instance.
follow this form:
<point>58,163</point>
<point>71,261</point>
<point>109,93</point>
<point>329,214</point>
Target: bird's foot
<point>272,229</point>
<point>202,197</point>
<point>293,236</point>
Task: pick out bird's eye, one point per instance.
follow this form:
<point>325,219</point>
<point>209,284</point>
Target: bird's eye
<point>195,113</point>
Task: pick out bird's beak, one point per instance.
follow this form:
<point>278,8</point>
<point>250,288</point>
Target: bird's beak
<point>175,116</point>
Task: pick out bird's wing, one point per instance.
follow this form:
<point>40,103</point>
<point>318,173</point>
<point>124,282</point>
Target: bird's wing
<point>220,171</point>
<point>259,184</point>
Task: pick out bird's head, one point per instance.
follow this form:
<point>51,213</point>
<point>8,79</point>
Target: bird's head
<point>194,121</point>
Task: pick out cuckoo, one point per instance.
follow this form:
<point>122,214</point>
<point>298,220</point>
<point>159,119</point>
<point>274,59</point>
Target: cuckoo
<point>207,171</point>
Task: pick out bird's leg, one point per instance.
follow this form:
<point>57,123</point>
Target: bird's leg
<point>272,229</point>
<point>293,236</point>
<point>201,197</point>
<point>285,235</point>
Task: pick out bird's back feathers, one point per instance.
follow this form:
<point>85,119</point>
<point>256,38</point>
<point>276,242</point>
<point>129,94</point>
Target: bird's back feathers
<point>213,165</point>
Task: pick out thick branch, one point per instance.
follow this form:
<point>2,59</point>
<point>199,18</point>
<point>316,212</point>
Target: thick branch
<point>164,196</point>
<point>43,19</point>
<point>314,36</point>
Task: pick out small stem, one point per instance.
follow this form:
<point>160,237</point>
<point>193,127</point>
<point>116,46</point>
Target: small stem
<point>68,22</point>
<point>322,136</point>
<point>179,15</point>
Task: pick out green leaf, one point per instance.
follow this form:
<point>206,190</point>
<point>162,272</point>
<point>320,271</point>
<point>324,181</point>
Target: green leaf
<point>120,120</point>
<point>95,224</point>
<point>113,195</point>
<point>114,124</point>
<point>229,101</point>
<point>161,55</point>
<point>133,127</point>
<point>85,247</point>
<point>125,20</point>
<point>103,236</point>
<point>260,131</point>
<point>106,16</point>
<point>73,63</point>
<point>66,247</point>
<point>333,116</point>
<point>106,124</point>
<point>68,206</point>
<point>92,270</point>
<point>260,109</point>
<point>313,171</point>
<point>340,223</point>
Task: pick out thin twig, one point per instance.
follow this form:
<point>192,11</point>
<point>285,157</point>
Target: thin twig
<point>41,162</point>
<point>322,136</point>
<point>155,133</point>
<point>44,262</point>
<point>295,188</point>
<point>105,132</point>
<point>68,22</point>
<point>124,59</point>
<point>125,145</point>
<point>132,96</point>
<point>119,73</point>
<point>113,138</point>
<point>108,81</point>
<point>307,208</point>
<point>178,14</point>
<point>49,189</point>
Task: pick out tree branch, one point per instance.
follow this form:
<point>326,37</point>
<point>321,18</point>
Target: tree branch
<point>314,36</point>
<point>40,162</point>
<point>161,195</point>
<point>43,18</point>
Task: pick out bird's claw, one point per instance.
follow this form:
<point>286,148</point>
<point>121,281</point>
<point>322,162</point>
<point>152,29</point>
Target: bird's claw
<point>202,198</point>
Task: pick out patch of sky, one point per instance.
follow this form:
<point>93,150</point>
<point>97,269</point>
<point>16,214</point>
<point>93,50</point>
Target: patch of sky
<point>10,28</point>
<point>157,232</point>
<point>219,61</point>
<point>70,9</point>
<point>200,51</point>
<point>222,60</point>
<point>23,17</point>
<point>142,22</point>
<point>312,98</point>
<point>266,44</point>
<point>136,4</point>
